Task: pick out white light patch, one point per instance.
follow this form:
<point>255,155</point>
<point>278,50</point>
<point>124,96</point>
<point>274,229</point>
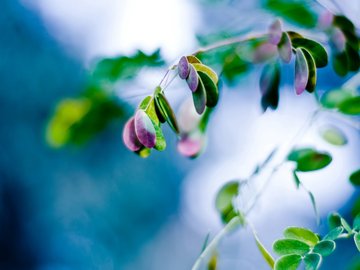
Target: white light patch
<point>109,27</point>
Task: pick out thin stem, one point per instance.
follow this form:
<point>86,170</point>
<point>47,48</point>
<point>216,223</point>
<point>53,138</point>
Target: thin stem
<point>233,223</point>
<point>227,42</point>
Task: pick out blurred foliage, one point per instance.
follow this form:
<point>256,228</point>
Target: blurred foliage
<point>77,120</point>
<point>295,11</point>
<point>126,67</point>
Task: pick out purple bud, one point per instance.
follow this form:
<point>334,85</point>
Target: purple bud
<point>193,79</point>
<point>264,52</point>
<point>275,32</point>
<point>183,67</point>
<point>190,146</point>
<point>129,136</point>
<point>144,129</point>
<point>325,20</point>
<point>338,39</point>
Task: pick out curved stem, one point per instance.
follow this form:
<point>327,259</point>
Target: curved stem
<point>233,223</point>
<point>228,42</point>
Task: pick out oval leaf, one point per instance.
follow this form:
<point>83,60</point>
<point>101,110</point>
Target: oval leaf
<point>290,246</point>
<point>355,178</point>
<point>333,98</point>
<point>325,247</point>
<point>334,220</point>
<point>316,50</point>
<point>211,73</point>
<point>192,59</point>
<point>311,83</point>
<point>199,97</point>
<point>144,129</point>
<point>166,111</point>
<point>334,233</point>
<point>301,72</point>
<point>183,67</point>
<point>269,86</point>
<point>224,200</point>
<point>284,48</point>
<point>212,92</point>
<point>311,160</point>
<point>312,261</point>
<point>350,106</point>
<point>302,234</point>
<point>129,136</point>
<point>288,262</point>
<point>193,79</point>
<point>333,135</point>
<point>275,32</point>
<point>340,63</point>
<point>160,144</point>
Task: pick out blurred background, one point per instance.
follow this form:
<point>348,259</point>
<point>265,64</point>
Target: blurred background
<point>99,206</point>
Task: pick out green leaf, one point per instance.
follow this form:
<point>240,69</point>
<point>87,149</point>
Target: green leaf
<point>212,92</point>
<point>333,135</point>
<point>166,111</point>
<point>302,234</point>
<point>264,252</point>
<point>199,97</point>
<point>126,67</point>
<point>208,71</point>
<point>340,63</point>
<point>301,72</point>
<point>345,225</point>
<point>192,59</point>
<point>288,262</point>
<point>357,240</point>
<point>290,246</point>
<point>212,264</point>
<point>356,207</point>
<point>77,120</point>
<point>356,222</point>
<point>311,83</point>
<point>334,233</point>
<point>334,220</point>
<point>293,11</point>
<point>269,86</point>
<point>316,50</point>
<point>297,154</point>
<point>333,98</point>
<point>309,160</point>
<point>325,247</point>
<point>160,144</point>
<point>350,106</point>
<point>148,105</point>
<point>355,178</point>
<point>353,57</point>
<point>224,200</point>
<point>312,261</point>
